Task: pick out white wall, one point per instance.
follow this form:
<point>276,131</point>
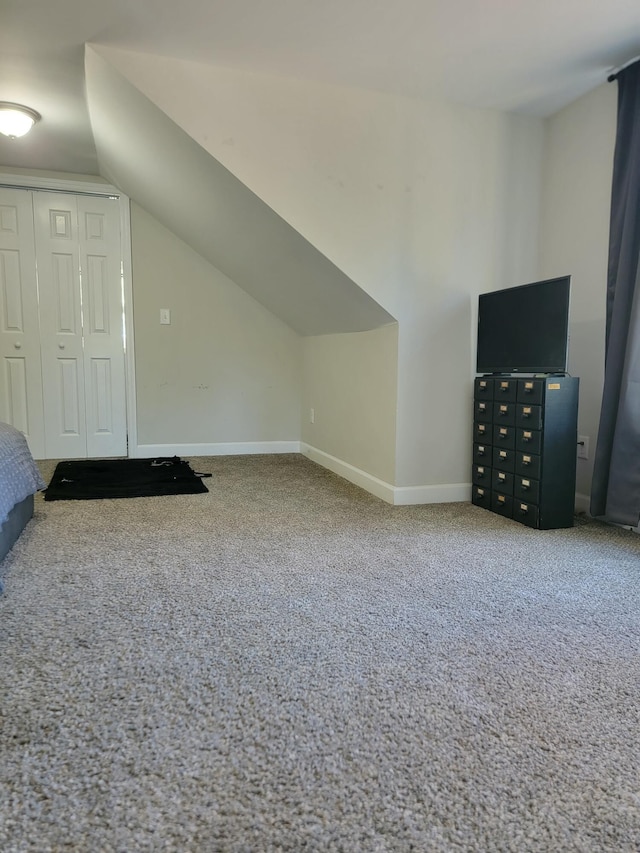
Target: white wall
<point>422,204</point>
<point>44,175</point>
<point>350,382</point>
<point>157,163</point>
<point>574,239</point>
<point>225,370</point>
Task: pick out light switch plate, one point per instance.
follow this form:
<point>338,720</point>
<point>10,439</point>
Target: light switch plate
<point>165,317</point>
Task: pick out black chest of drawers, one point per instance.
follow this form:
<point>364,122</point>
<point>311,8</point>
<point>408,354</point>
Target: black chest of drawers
<point>524,448</point>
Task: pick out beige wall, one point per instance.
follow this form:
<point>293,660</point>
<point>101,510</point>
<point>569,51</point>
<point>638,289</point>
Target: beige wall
<point>225,370</point>
<point>350,382</point>
<point>574,238</point>
<point>193,195</point>
<point>422,204</point>
<point>44,175</point>
<point>425,205</point>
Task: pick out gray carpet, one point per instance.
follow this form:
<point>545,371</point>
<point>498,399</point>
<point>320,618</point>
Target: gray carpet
<point>288,664</point>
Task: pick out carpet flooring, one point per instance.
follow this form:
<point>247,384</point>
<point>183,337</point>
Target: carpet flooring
<point>288,664</point>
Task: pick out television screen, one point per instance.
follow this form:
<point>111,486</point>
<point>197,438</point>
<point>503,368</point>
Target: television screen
<point>524,329</point>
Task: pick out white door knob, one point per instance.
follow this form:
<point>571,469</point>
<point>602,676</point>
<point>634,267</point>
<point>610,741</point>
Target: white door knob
<point>61,346</point>
<point>17,345</point>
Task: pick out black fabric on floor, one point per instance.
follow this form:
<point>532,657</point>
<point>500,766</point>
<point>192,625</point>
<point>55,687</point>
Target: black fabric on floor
<point>88,479</point>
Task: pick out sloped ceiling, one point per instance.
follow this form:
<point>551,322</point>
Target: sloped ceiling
<point>155,162</point>
<point>531,57</point>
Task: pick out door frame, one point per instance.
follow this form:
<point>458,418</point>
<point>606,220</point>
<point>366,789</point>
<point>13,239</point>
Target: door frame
<point>91,186</point>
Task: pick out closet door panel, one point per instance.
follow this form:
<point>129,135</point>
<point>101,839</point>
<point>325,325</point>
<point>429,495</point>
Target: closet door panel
<point>58,256</point>
<point>20,366</point>
<point>103,317</point>
<point>71,420</point>
<point>62,356</point>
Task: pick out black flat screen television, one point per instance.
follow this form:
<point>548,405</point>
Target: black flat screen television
<point>524,329</point>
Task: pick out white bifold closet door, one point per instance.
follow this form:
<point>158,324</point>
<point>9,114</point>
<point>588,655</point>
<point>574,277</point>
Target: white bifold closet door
<point>79,304</point>
<point>21,401</point>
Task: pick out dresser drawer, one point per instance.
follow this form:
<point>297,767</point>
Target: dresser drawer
<point>526,489</point>
<point>482,433</point>
<point>528,416</point>
<point>481,475</point>
<point>483,411</point>
<point>483,454</point>
<point>481,496</point>
<point>502,504</point>
<point>504,436</point>
<point>528,440</point>
<point>504,413</point>
<point>502,481</point>
<point>483,388</point>
<point>530,391</point>
<point>527,465</point>
<point>525,513</point>
<point>505,390</point>
<point>504,459</point>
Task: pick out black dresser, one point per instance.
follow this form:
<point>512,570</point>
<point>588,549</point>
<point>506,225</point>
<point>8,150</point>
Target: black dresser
<point>525,434</point>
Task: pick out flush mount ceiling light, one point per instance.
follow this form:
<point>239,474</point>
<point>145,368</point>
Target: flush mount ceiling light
<point>16,120</point>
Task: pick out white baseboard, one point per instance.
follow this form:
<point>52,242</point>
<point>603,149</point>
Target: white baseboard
<point>233,448</point>
<point>397,495</point>
<point>443,493</point>
<point>400,496</point>
<point>354,475</point>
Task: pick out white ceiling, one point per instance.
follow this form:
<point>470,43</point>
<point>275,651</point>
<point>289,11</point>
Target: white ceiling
<point>532,56</point>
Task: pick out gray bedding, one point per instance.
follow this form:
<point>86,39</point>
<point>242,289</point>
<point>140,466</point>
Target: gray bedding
<point>18,519</point>
<point>19,474</point>
<point>19,480</point>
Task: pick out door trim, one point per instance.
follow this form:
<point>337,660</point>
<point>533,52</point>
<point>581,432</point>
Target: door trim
<point>19,180</point>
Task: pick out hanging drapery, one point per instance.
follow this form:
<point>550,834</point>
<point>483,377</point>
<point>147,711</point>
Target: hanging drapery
<point>615,493</point>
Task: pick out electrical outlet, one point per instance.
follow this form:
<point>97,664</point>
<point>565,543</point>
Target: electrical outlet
<point>583,447</point>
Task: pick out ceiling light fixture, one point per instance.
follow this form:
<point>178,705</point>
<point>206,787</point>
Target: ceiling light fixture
<point>16,120</point>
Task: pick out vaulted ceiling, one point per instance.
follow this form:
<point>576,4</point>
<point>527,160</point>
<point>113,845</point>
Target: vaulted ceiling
<point>532,57</point>
<point>527,56</point>
<point>199,200</point>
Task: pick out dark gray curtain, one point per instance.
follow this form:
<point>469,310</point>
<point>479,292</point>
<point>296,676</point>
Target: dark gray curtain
<point>615,493</point>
